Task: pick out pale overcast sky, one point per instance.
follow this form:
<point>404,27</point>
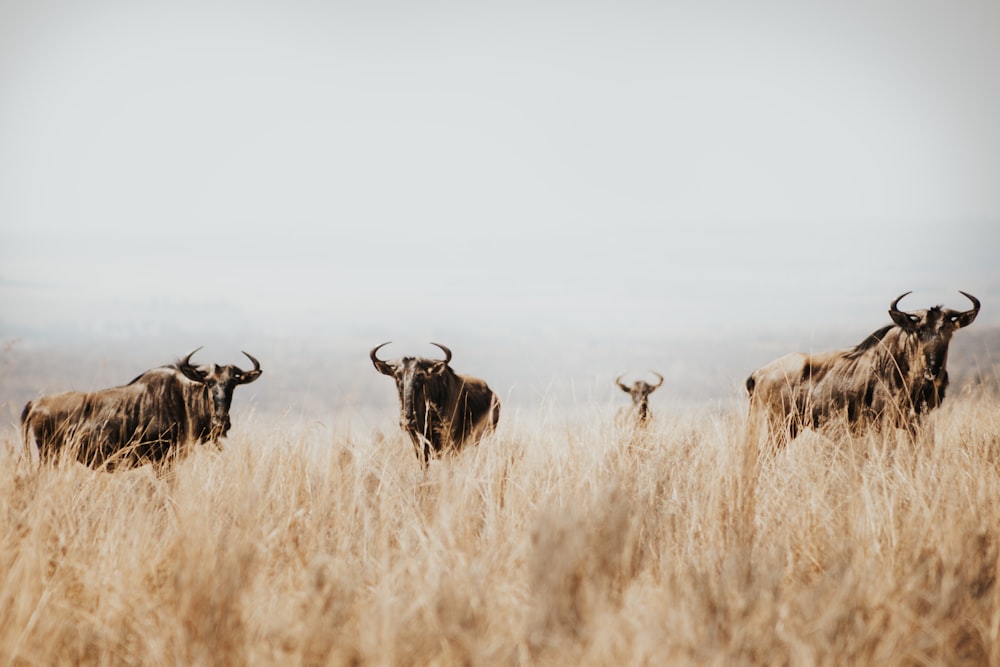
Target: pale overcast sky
<point>292,167</point>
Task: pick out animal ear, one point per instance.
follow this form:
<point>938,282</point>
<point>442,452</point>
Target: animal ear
<point>250,376</point>
<point>961,320</point>
<point>192,373</point>
<point>384,367</point>
<point>904,320</point>
<point>439,367</point>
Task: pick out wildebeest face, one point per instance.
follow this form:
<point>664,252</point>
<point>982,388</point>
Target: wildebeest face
<point>413,377</point>
<point>933,328</point>
<point>220,381</point>
<point>639,391</point>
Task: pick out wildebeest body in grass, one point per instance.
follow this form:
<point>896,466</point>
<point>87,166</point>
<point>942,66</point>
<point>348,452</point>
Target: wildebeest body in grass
<point>638,413</point>
<point>893,377</point>
<point>151,419</point>
<point>439,409</point>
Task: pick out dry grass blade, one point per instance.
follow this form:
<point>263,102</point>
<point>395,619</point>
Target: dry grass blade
<point>554,542</point>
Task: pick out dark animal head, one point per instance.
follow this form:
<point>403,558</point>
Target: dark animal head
<point>220,381</point>
<point>417,380</point>
<point>932,328</point>
<point>640,391</point>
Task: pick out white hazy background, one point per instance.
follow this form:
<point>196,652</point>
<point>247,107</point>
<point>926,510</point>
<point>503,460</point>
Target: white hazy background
<point>552,189</point>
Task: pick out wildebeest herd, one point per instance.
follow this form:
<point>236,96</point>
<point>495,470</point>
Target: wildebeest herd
<point>892,378</point>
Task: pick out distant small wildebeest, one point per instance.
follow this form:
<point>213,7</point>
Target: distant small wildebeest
<point>638,413</point>
<point>153,419</point>
<point>892,378</point>
<point>439,409</point>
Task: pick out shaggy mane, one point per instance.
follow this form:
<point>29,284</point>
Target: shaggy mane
<point>871,341</point>
<point>878,336</point>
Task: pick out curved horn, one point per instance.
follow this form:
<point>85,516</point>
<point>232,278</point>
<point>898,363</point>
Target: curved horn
<point>447,352</point>
<point>256,364</point>
<point>974,300</point>
<point>906,321</point>
<point>189,371</point>
<point>382,367</point>
<point>618,381</point>
<point>373,354</point>
<point>892,307</point>
<point>186,361</point>
<point>966,318</point>
<point>250,376</point>
<point>660,383</point>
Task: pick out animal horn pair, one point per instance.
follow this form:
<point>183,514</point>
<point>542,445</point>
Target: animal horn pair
<point>186,361</point>
<point>375,360</point>
<point>969,313</point>
<point>618,381</point>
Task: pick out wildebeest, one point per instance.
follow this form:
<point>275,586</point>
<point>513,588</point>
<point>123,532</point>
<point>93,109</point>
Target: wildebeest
<point>439,409</point>
<point>893,377</point>
<point>151,419</point>
<point>638,413</point>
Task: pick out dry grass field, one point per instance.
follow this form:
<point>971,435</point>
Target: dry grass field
<point>556,542</point>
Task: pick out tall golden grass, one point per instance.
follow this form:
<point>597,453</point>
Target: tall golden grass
<point>554,542</point>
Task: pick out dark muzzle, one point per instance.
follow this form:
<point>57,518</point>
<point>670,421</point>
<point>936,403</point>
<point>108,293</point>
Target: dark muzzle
<point>409,419</point>
<point>220,427</point>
